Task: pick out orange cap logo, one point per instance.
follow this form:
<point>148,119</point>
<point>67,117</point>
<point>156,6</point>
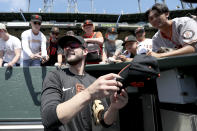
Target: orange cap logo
<point>113,29</point>
<point>126,38</point>
<point>37,16</point>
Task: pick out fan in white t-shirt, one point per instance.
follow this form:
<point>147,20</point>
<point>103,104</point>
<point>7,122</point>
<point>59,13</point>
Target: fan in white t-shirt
<point>10,48</point>
<point>144,44</point>
<point>34,44</point>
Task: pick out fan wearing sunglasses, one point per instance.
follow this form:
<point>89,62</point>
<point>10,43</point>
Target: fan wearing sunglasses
<point>34,44</point>
<point>52,48</point>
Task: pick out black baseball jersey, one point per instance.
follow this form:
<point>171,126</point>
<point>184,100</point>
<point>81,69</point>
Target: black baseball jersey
<point>58,87</point>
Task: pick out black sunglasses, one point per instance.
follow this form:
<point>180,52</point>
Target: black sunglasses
<point>39,23</point>
<point>73,45</point>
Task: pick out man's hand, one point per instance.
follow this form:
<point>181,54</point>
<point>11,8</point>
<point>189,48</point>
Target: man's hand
<point>36,56</point>
<point>45,59</point>
<point>157,55</point>
<point>10,64</point>
<point>122,57</point>
<point>118,101</point>
<point>104,86</point>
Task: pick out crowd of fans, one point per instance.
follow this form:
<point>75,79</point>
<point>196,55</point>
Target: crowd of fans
<point>70,97</point>
<point>177,35</point>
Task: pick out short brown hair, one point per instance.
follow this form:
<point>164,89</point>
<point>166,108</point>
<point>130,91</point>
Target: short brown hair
<point>159,7</point>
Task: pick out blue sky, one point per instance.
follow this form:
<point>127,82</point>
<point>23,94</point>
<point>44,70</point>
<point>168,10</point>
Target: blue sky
<point>84,6</point>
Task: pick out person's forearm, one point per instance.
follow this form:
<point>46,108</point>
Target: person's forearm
<point>67,110</point>
<point>15,59</point>
<point>17,56</point>
<point>43,49</point>
<point>59,58</point>
<point>96,40</point>
<point>110,116</point>
<point>104,57</point>
<point>1,61</point>
<point>116,54</point>
<point>127,60</point>
<point>185,50</point>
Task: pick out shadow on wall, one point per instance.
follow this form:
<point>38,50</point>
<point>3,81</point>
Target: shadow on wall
<point>8,73</point>
<point>28,79</point>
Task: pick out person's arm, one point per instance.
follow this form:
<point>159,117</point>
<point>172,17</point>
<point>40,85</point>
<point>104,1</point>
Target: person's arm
<point>123,57</point>
<point>99,39</point>
<point>75,105</point>
<point>104,56</point>
<point>101,88</point>
<point>118,101</point>
<point>54,112</point>
<point>16,58</point>
<point>95,40</point>
<point>25,45</point>
<point>118,49</point>
<point>43,45</point>
<point>1,57</point>
<point>59,59</point>
<point>44,55</point>
<point>185,50</point>
<point>60,53</point>
<point>17,51</point>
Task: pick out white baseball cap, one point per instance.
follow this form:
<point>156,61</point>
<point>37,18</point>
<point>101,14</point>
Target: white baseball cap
<point>2,27</point>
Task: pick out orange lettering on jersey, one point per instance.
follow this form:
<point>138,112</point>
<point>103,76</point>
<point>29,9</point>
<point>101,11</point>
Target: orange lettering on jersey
<point>79,87</point>
<point>35,41</point>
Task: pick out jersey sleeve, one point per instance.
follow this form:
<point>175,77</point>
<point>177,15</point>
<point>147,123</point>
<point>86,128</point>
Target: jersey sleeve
<point>43,45</point>
<point>25,43</point>
<point>188,31</point>
<point>51,96</point>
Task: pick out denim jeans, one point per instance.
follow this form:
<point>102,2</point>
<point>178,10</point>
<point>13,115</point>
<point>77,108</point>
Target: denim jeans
<point>30,62</point>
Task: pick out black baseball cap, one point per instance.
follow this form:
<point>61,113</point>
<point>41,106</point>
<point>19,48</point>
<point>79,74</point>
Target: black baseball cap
<point>142,68</point>
<point>65,39</point>
<point>139,30</point>
<point>87,22</point>
<point>112,30</point>
<point>36,18</point>
<point>129,38</point>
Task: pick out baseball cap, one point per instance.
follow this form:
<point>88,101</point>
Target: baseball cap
<point>142,68</point>
<point>112,30</point>
<point>129,38</point>
<point>139,30</point>
<point>55,29</point>
<point>65,39</point>
<point>87,22</point>
<point>2,26</point>
<point>37,18</point>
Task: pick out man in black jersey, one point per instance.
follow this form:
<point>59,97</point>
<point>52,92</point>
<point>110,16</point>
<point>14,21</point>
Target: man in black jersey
<point>71,98</point>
